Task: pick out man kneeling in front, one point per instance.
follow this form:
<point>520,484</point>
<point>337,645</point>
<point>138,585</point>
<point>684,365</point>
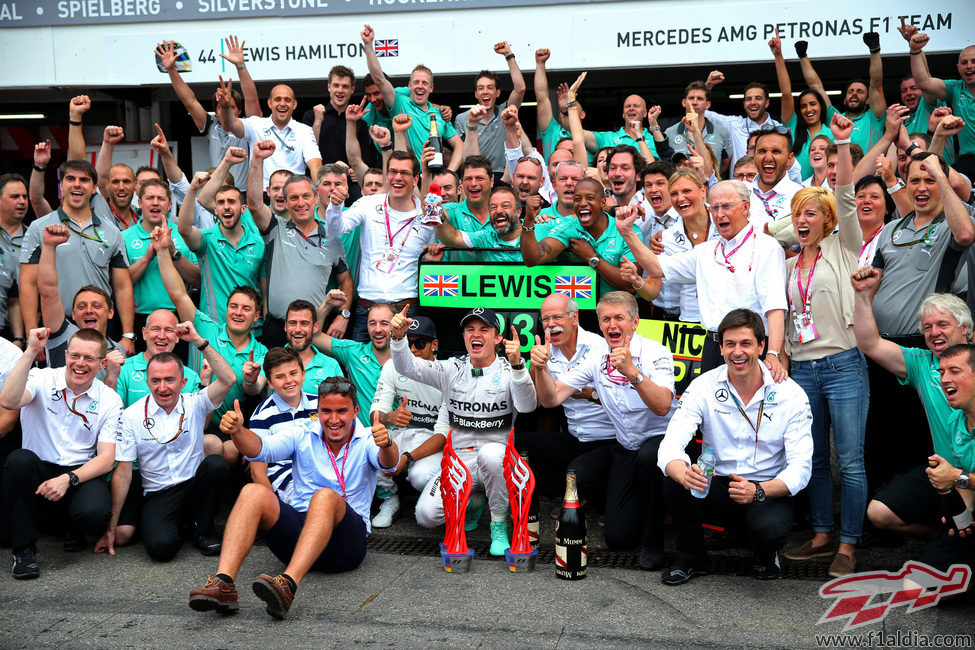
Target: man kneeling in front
<point>335,462</point>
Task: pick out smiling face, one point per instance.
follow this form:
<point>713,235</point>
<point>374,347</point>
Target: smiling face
<point>616,323</point>
<point>741,351</point>
<point>566,180</point>
<point>831,164</point>
<point>810,110</point>
<point>282,104</point>
<point>400,178</point>
<point>83,360</point>
<point>560,325</point>
<point>503,208</point>
<point>336,414</point>
<point>121,186</point>
<point>372,183</point>
<point>449,190</point>
<point>374,94</point>
<point>855,99</point>
<point>587,202</point>
<point>486,92</point>
<point>378,327</point>
<point>480,339</point>
<point>155,204</point>
<point>228,208</point>
<point>165,381</point>
<point>621,172</point>
<point>421,86</point>
<point>299,328</point>
<point>755,103</point>
<point>13,202</point>
<point>559,155</point>
<point>657,193</point>
<point>275,191</point>
<point>957,380</point>
<point>966,66</point>
<point>77,189</point>
<point>340,91</point>
<point>910,93</point>
<point>941,331</point>
<point>923,190</point>
<point>686,197</point>
<point>328,183</point>
<point>817,154</point>
<point>477,185</point>
<point>634,108</point>
<point>241,313</point>
<point>160,332</point>
<point>697,101</point>
<point>871,208</point>
<point>92,310</point>
<point>773,157</point>
<point>286,379</point>
<point>300,198</point>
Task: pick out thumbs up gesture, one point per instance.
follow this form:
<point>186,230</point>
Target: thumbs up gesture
<point>380,434</point>
<point>512,348</point>
<point>400,323</point>
<point>541,352</point>
<point>400,418</point>
<point>232,421</point>
<point>622,361</point>
<point>251,369</point>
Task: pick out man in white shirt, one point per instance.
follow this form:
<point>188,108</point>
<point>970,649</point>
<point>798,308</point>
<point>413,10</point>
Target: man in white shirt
<point>69,421</point>
<point>742,267</point>
<point>761,437</point>
<point>634,378</point>
<point>163,432</point>
<point>772,189</point>
<point>755,103</point>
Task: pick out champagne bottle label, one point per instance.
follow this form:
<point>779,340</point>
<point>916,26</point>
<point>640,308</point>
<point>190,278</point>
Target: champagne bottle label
<point>436,161</point>
<point>963,519</point>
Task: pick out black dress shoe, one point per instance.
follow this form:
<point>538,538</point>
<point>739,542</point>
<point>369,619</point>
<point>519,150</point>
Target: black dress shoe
<point>75,542</point>
<point>208,546</point>
<point>651,558</point>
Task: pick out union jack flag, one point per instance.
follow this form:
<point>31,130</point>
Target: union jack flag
<point>388,47</point>
<point>574,286</point>
<point>441,285</point>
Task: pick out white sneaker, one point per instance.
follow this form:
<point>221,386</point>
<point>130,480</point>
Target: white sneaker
<point>388,509</point>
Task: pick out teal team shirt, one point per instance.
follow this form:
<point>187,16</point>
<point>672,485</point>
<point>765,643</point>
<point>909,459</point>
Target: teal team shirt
<point>419,131</point>
<point>610,246</point>
<point>320,368</point>
<point>150,292</point>
<point>489,238</point>
<point>218,337</point>
<point>362,368</point>
<point>462,218</point>
<point>963,105</point>
<point>132,386</point>
<point>922,374</point>
<point>803,155</point>
<point>614,138</point>
<point>867,128</point>
<point>223,267</point>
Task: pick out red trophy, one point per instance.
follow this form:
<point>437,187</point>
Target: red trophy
<point>455,490</point>
<point>521,556</point>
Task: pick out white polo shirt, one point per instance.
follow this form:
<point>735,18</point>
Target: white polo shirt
<point>633,420</point>
<point>784,446</point>
<point>747,271</point>
<point>391,242</point>
<point>588,421</point>
<point>774,205</point>
<point>168,446</point>
<point>675,241</point>
<point>294,145</point>
<point>64,428</point>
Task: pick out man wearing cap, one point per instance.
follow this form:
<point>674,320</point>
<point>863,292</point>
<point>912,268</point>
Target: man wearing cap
<point>483,394</point>
<point>411,424</point>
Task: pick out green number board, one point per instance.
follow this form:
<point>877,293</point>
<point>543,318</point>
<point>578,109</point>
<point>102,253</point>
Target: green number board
<point>504,286</point>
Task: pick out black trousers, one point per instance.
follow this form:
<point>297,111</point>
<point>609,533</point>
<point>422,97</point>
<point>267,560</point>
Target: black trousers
<point>549,455</point>
<point>628,482</point>
<point>273,335</point>
<point>766,525</point>
<point>186,505</point>
<point>86,508</point>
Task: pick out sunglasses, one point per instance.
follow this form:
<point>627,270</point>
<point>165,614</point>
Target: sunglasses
<point>530,159</point>
<point>781,130</point>
<point>419,343</point>
<point>328,387</point>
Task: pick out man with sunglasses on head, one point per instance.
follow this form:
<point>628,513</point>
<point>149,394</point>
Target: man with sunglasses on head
<point>180,483</point>
<point>417,424</point>
<point>69,420</point>
<point>483,394</point>
<point>335,460</point>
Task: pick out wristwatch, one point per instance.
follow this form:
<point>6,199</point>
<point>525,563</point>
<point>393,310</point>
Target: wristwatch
<point>129,335</point>
<point>896,187</point>
<point>594,261</point>
<point>911,149</point>
<point>637,381</point>
<point>759,493</point>
<point>409,463</point>
<point>345,313</point>
<point>962,481</point>
<point>73,480</point>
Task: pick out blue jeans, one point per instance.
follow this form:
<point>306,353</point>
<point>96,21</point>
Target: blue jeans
<point>839,394</point>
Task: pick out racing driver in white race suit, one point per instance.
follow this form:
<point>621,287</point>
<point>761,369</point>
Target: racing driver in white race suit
<point>483,394</point>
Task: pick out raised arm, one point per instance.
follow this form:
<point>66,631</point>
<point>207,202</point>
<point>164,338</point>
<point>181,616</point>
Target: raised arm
<point>225,103</point>
<point>782,75</point>
<point>208,193</point>
<point>76,136</point>
<point>575,122</point>
<point>518,86</point>
<point>160,145</point>
<point>959,221</point>
<point>375,68</point>
<point>919,69</point>
<point>896,116</point>
<point>42,158</point>
<point>878,103</point>
<point>472,145</point>
<point>535,252</point>
<point>841,128</point>
<point>699,146</point>
<point>223,375</point>
<point>625,218</point>
<point>235,55</point>
<point>543,103</point>
<point>255,193</point>
<point>165,52</point>
<point>14,393</point>
<point>353,113</point>
<point>103,163</point>
<point>335,299</point>
<point>192,235</point>
<point>52,309</point>
<point>124,295</point>
<point>401,125</point>
<point>886,353</point>
<point>384,140</point>
<point>175,287</point>
<point>810,75</point>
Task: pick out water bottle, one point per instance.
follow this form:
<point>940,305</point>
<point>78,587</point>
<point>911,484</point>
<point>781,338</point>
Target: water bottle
<point>706,462</point>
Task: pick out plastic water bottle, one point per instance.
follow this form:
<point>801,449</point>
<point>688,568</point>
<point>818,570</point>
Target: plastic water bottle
<point>706,462</point>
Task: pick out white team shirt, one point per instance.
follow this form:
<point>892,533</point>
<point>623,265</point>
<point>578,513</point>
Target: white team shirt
<point>752,277</point>
<point>168,446</point>
<point>377,281</point>
<point>774,205</point>
<point>784,447</point>
<point>58,435</point>
<point>633,420</point>
<point>10,354</point>
<point>682,296</point>
<point>588,421</point>
<point>294,145</point>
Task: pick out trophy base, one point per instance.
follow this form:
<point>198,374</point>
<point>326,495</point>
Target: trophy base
<point>456,562</point>
<point>521,562</point>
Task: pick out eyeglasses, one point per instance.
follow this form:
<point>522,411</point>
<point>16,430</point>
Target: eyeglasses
<point>398,172</point>
<point>554,317</point>
<point>745,177</point>
<point>75,356</point>
<point>155,329</point>
<point>724,207</point>
<point>530,159</point>
<point>328,387</point>
<point>419,343</point>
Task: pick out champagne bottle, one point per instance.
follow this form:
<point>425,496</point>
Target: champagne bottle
<point>570,534</point>
<point>436,165</point>
<point>953,507</point>
<point>533,523</point>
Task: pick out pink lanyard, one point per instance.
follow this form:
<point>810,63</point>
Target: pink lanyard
<point>389,232</point>
<point>867,242</point>
<point>339,475</point>
<point>765,200</point>
<point>727,256</point>
<point>804,296</point>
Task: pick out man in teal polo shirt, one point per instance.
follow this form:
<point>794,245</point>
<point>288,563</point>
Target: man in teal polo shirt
<point>632,132</point>
<point>505,231</point>
<point>160,336</point>
<point>592,237</point>
<point>362,361</point>
<point>417,105</point>
<point>301,324</point>
<point>471,214</point>
<point>229,254</point>
<point>155,200</point>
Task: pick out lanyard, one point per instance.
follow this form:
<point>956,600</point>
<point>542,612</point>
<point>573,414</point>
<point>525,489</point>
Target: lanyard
<point>284,144</point>
<point>758,422</point>
<point>727,256</point>
<point>118,217</point>
<point>73,228</point>
<point>390,235</point>
<point>321,243</point>
<point>339,475</point>
<point>804,296</point>
<point>149,423</point>
<point>869,241</point>
<point>7,238</point>
<point>765,199</point>
<point>64,394</point>
<point>925,238</point>
<point>618,378</point>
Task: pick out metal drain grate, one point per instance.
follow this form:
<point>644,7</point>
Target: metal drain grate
<point>721,563</point>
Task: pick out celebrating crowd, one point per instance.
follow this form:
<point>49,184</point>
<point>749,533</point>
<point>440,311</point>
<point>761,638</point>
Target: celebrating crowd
<point>254,330</point>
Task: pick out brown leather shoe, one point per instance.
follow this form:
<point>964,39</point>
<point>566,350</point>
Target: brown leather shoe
<point>215,595</point>
<point>276,592</point>
<point>842,565</point>
<point>807,551</point>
